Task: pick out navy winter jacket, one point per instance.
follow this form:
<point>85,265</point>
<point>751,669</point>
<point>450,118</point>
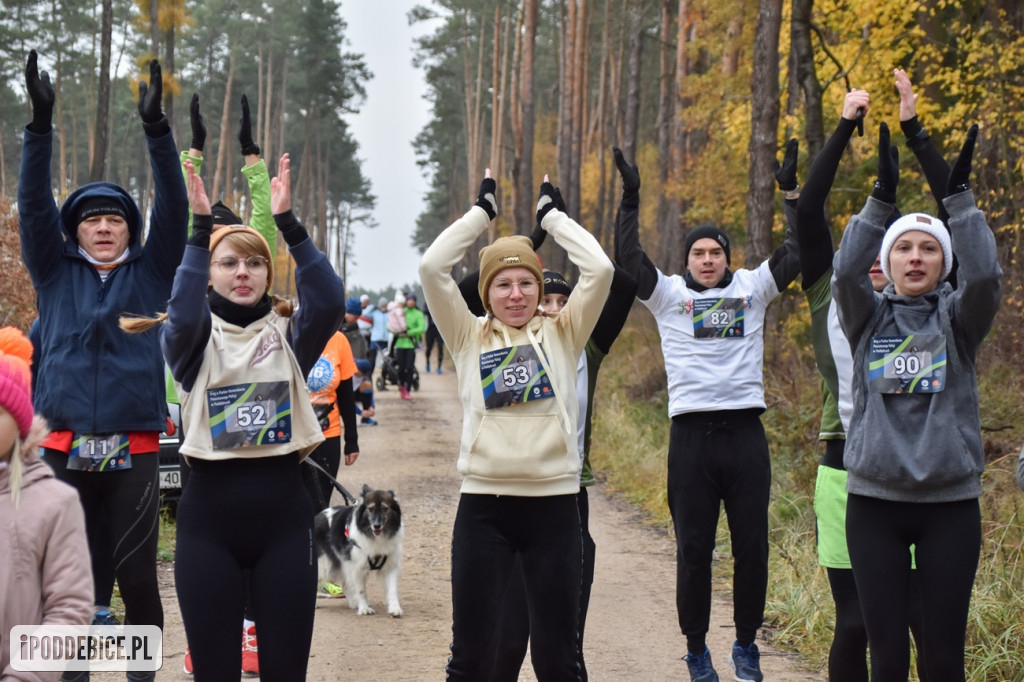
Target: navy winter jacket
<point>92,377</point>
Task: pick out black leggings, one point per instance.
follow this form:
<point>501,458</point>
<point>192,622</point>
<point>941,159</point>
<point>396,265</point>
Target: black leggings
<point>514,632</point>
<point>239,514</point>
<point>434,337</point>
<point>405,357</point>
<point>327,455</point>
<point>947,543</point>
<point>847,657</point>
<point>490,531</point>
<point>122,514</point>
<point>717,457</point>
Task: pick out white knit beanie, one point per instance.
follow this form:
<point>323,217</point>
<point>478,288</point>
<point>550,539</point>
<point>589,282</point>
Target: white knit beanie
<point>924,223</point>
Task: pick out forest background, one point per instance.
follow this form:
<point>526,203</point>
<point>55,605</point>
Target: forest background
<point>703,95</point>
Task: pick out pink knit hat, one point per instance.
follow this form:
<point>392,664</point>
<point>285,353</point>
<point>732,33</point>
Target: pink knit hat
<point>16,378</point>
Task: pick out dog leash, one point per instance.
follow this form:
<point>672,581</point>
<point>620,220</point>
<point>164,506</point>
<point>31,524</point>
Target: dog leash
<point>349,500</point>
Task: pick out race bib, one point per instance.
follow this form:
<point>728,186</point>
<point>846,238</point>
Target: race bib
<point>247,415</point>
<point>718,318</point>
<point>907,364</point>
<point>513,375</point>
<point>108,452</point>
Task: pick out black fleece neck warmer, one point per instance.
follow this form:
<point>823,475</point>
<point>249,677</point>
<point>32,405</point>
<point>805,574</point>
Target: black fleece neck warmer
<point>239,315</point>
<point>697,286</point>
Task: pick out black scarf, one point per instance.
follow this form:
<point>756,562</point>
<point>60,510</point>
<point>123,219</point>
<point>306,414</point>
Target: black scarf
<point>698,287</point>
<point>239,315</point>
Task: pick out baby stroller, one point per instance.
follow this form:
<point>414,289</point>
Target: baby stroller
<point>389,373</point>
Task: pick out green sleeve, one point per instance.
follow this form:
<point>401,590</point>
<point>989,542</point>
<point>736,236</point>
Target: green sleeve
<point>197,161</point>
<point>416,323</point>
<point>259,193</point>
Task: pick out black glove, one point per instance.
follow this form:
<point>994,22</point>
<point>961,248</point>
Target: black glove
<point>888,168</point>
<point>41,93</point>
<point>245,131</point>
<point>960,175</point>
<point>150,110</point>
<point>486,199</point>
<point>785,173</point>
<point>546,201</point>
<point>202,226</point>
<point>198,125</point>
<point>559,201</point>
<point>630,180</point>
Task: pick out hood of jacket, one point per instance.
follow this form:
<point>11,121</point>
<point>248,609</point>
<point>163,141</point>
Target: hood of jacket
<point>102,189</point>
<point>35,470</point>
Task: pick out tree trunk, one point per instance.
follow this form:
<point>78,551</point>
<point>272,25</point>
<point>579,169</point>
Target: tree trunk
<point>631,122</point>
<point>168,70</point>
<point>222,147</point>
<point>578,116</point>
<point>566,74</point>
<point>264,106</point>
<point>803,61</point>
<point>98,169</point>
<point>523,212</point>
<point>764,124</point>
<point>666,117</point>
<point>283,111</point>
<point>154,27</point>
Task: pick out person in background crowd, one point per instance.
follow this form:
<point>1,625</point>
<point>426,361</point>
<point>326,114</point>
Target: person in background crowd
<point>433,338</point>
<point>405,345</point>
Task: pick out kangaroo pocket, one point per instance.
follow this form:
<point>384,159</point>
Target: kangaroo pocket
<point>520,447</point>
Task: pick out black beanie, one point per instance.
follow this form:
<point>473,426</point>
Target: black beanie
<point>708,232</point>
<point>222,215</point>
<point>554,283</point>
<point>100,205</point>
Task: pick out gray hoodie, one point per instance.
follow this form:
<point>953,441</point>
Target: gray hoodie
<point>918,447</point>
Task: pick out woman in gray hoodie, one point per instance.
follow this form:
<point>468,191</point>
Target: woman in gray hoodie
<point>914,452</point>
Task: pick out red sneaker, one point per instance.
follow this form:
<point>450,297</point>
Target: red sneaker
<point>404,392</point>
<point>188,661</point>
<point>250,653</point>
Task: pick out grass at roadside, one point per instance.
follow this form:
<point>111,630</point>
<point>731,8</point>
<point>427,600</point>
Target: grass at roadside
<point>630,444</point>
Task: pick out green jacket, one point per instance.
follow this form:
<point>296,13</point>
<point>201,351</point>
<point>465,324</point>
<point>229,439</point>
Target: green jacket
<point>415,326</point>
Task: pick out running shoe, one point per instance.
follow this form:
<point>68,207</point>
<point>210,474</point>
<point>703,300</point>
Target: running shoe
<point>368,421</point>
<point>329,590</point>
<point>700,667</point>
<point>104,618</point>
<point>250,653</point>
<point>187,666</point>
<point>746,661</point>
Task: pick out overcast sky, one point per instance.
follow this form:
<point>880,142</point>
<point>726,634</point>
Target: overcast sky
<point>393,114</point>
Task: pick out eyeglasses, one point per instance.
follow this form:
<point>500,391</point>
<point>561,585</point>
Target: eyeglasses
<point>254,264</point>
<point>503,288</point>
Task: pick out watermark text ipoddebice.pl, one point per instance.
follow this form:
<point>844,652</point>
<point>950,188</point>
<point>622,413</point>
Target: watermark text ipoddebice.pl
<point>48,648</point>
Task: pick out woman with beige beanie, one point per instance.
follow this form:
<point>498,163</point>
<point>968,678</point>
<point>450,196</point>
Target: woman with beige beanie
<point>519,459</point>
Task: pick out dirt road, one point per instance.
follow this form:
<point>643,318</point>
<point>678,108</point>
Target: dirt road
<point>632,631</point>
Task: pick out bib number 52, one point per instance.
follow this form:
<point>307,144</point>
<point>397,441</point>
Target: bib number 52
<point>251,415</point>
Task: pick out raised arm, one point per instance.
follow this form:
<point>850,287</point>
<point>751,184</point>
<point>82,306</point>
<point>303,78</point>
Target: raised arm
<point>168,221</point>
<point>628,252</point>
<point>449,310</point>
<point>38,218</point>
<point>979,290</point>
<point>258,177</point>
<point>814,234</point>
<point>936,170</point>
<point>851,287</point>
